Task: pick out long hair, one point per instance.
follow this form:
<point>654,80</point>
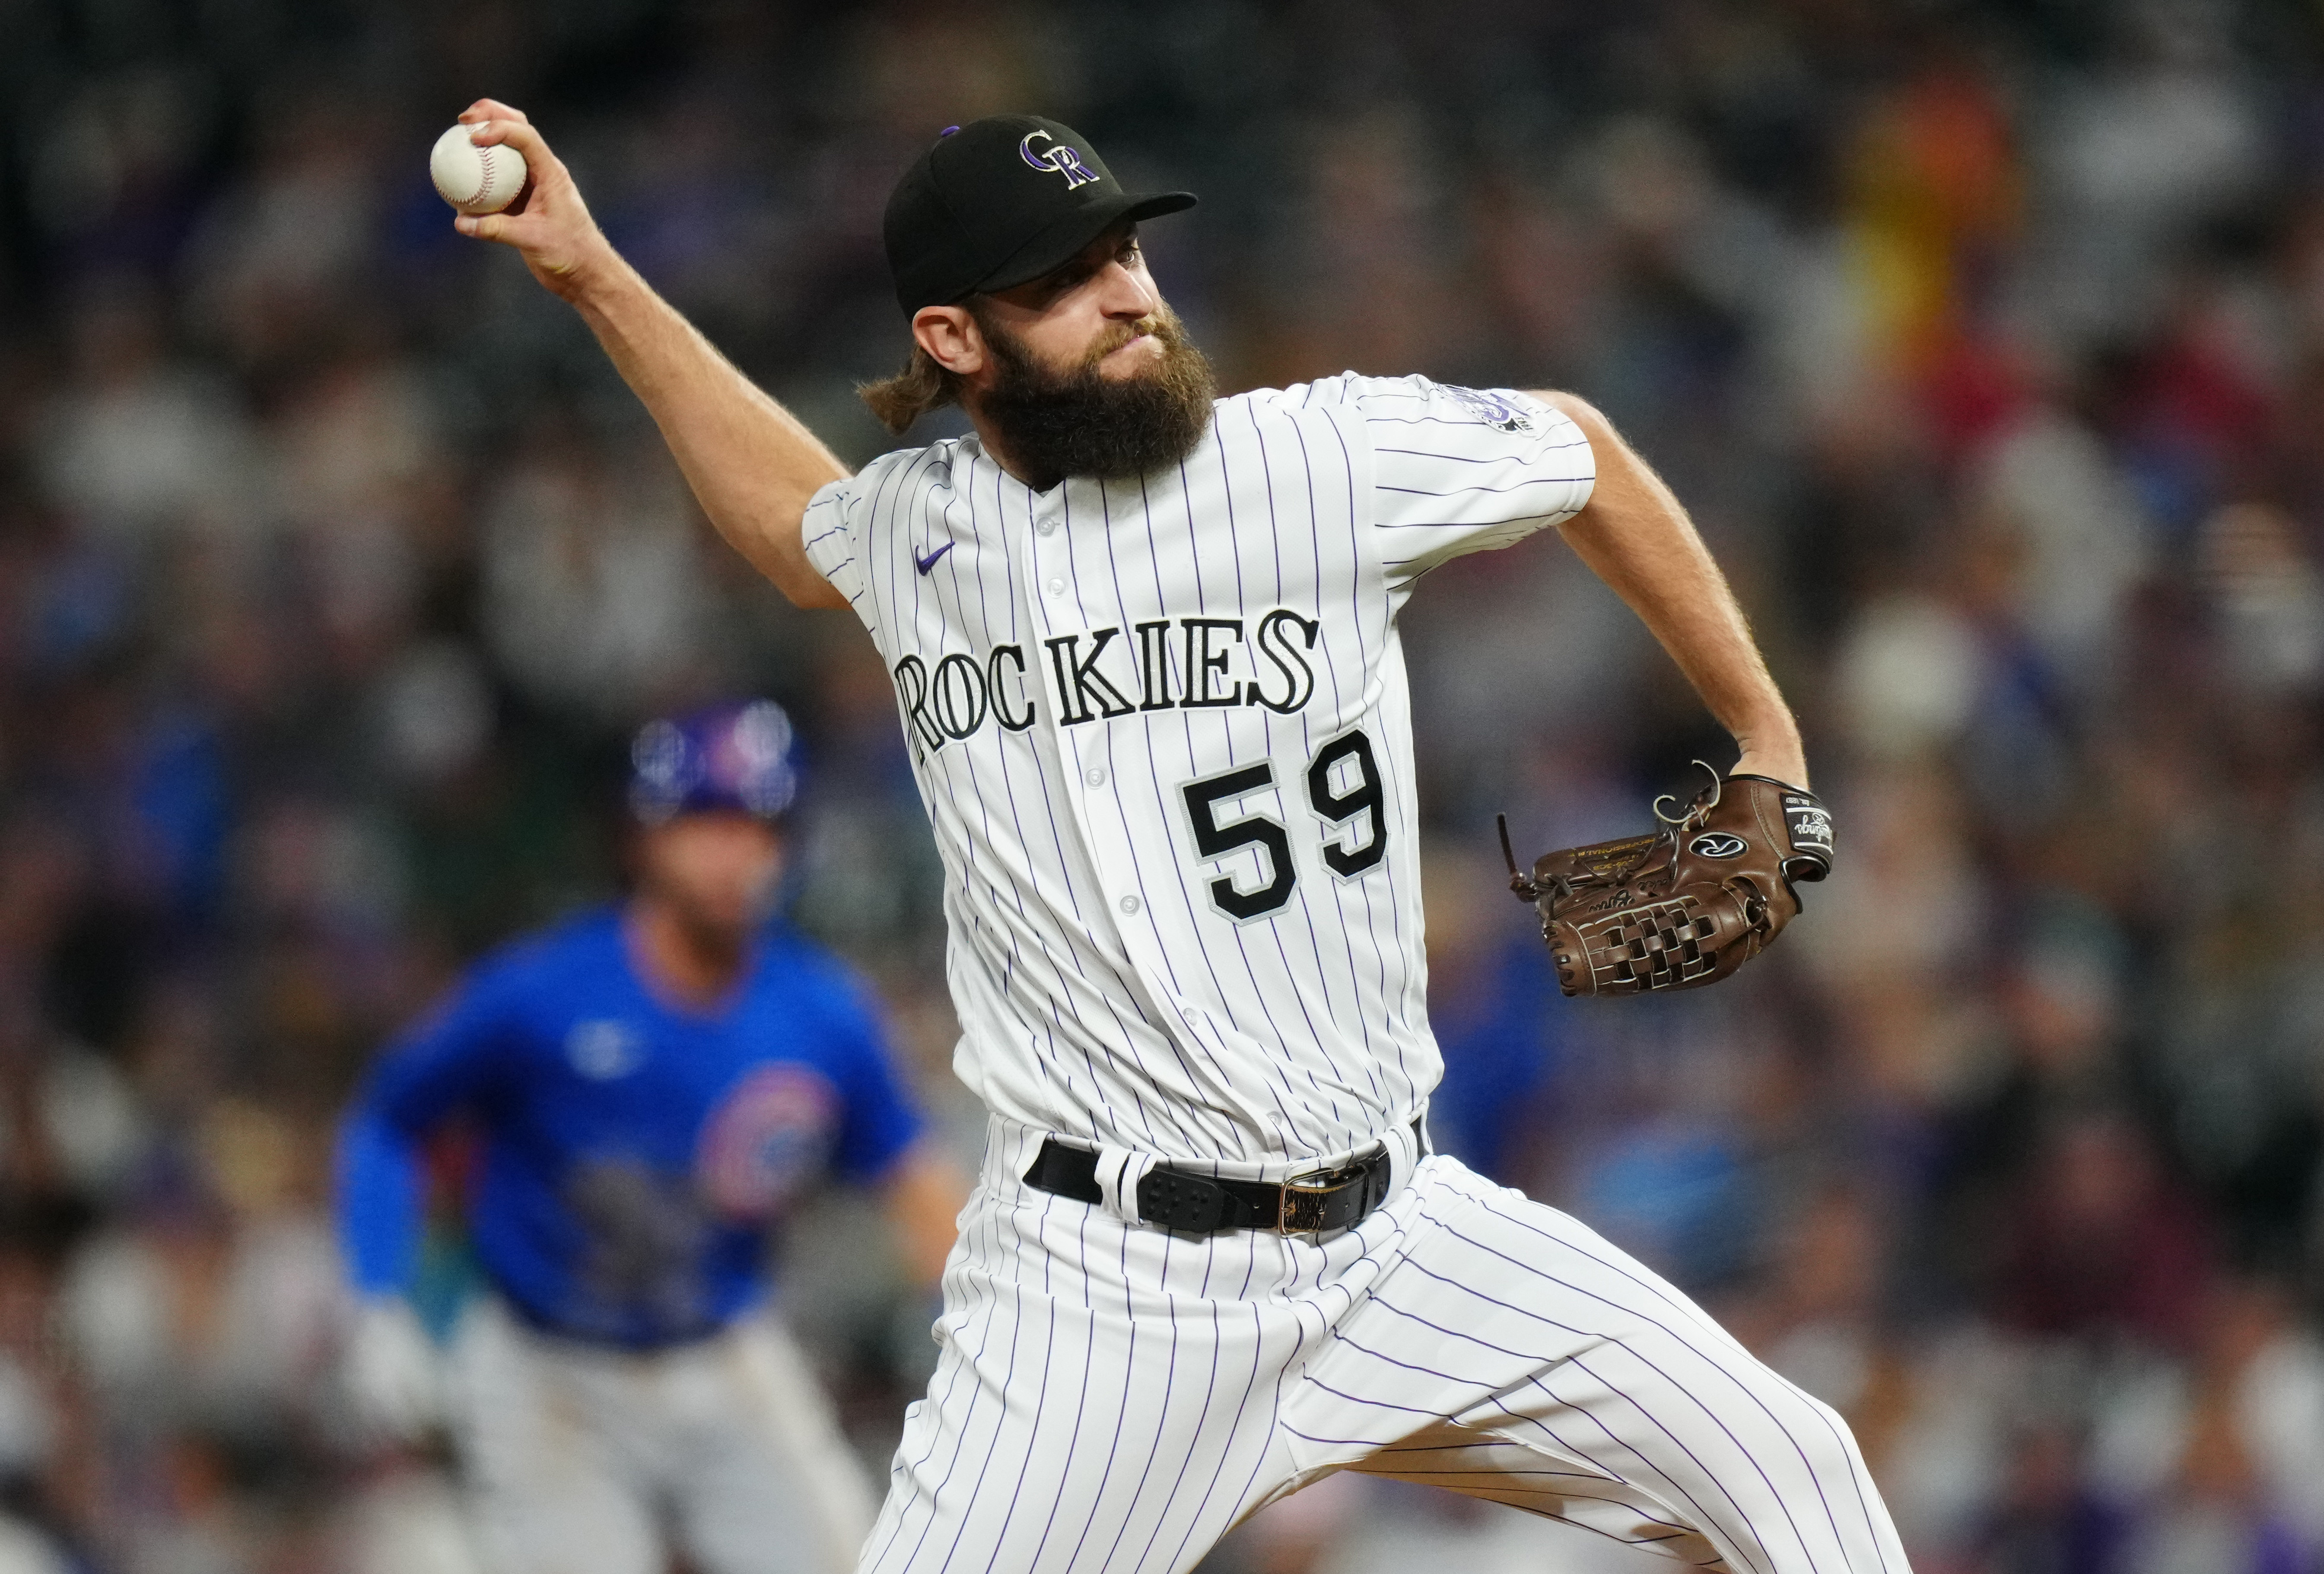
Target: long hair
<point>920,387</point>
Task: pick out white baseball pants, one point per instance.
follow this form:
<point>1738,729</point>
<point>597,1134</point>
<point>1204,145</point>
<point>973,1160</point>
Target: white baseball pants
<point>585,1460</point>
<point>1114,1397</point>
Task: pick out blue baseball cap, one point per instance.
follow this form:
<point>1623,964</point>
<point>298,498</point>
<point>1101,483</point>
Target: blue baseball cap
<point>738,756</point>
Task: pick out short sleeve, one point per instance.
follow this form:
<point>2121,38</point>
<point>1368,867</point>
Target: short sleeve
<point>828,533</point>
<point>1459,470</point>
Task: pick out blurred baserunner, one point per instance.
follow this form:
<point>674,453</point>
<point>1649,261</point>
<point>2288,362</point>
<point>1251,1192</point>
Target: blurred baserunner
<point>650,1086</point>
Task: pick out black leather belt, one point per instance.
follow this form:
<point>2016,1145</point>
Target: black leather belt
<point>1198,1205</point>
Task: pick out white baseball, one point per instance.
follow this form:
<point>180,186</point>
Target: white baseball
<point>474,179</point>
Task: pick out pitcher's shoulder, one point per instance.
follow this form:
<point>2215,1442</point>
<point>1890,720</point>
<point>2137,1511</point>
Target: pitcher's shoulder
<point>937,461</point>
<point>1349,391</point>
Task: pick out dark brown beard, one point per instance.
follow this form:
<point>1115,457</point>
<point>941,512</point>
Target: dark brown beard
<point>1056,424</point>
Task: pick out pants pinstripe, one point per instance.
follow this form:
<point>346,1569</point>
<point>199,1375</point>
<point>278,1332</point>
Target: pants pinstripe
<point>1112,1397</point>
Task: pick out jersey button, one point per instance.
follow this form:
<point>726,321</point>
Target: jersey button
<point>1057,587</point>
<point>1129,904</point>
<point>1094,776</point>
<point>1046,527</point>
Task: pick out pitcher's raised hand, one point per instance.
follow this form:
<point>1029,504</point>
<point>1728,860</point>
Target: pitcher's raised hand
<point>549,224</point>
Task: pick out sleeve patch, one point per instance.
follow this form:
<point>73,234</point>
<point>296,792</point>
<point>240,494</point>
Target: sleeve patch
<point>1490,409</point>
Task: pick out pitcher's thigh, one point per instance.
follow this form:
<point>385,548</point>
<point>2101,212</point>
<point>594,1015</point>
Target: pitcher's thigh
<point>1071,1428</point>
<point>1511,1321</point>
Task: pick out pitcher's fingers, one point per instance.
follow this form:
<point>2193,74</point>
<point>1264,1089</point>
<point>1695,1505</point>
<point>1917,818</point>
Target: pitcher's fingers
<point>484,226</point>
<point>484,109</point>
<point>538,161</point>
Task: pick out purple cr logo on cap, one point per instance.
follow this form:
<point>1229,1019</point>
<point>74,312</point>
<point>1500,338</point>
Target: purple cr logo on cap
<point>1058,157</point>
<point>948,131</point>
<point>732,757</point>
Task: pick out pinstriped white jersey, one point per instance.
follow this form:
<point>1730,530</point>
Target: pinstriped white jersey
<point>1163,733</point>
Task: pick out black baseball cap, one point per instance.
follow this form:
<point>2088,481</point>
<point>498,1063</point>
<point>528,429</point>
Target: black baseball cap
<point>1001,201</point>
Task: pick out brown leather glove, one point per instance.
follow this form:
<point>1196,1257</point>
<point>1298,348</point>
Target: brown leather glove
<point>1687,905</point>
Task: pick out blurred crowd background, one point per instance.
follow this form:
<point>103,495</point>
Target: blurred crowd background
<point>1985,341</point>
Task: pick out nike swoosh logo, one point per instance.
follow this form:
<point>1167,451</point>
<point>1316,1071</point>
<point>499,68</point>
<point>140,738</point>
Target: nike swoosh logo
<point>929,561</point>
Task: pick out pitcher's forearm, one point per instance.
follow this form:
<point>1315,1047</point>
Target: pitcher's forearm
<point>1636,535</point>
<point>1657,564</point>
<point>752,463</point>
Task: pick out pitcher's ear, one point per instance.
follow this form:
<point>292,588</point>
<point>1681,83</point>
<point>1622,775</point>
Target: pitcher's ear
<point>950,336</point>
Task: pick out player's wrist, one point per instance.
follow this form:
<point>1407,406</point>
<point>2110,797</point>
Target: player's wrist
<point>1772,750</point>
<point>1788,766</point>
<point>595,277</point>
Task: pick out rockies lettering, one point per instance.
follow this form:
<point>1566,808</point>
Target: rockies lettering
<point>1162,732</point>
<point>948,703</point>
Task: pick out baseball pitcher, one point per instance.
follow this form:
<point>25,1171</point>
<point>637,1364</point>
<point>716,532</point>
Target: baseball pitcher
<point>1143,643</point>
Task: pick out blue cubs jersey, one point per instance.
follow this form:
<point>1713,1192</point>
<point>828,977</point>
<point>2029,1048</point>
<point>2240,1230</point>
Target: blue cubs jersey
<point>633,1154</point>
<point>1502,1036</point>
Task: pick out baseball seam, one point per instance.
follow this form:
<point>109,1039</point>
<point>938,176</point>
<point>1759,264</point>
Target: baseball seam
<point>492,166</point>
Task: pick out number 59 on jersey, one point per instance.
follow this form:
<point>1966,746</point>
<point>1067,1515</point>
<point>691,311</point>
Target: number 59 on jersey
<point>1342,784</point>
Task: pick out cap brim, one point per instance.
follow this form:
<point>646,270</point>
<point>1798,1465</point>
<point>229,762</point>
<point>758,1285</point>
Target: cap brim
<point>1058,243</point>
